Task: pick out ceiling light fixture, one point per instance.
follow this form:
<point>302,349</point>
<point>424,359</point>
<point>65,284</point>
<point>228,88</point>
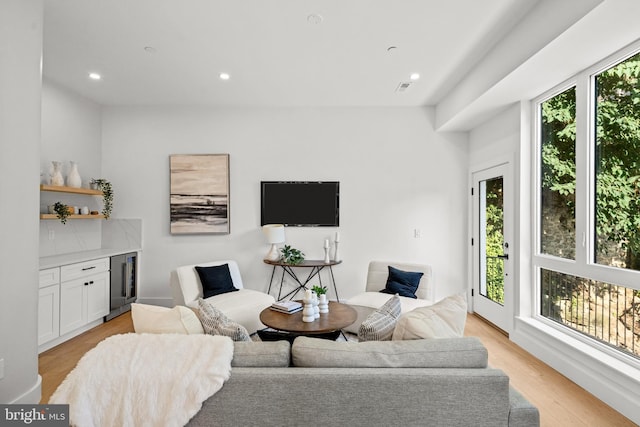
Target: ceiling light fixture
<point>224,76</point>
<point>314,18</point>
<point>415,76</point>
<point>95,76</point>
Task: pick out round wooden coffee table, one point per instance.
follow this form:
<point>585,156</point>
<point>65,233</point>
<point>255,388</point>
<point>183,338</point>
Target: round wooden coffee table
<point>328,325</point>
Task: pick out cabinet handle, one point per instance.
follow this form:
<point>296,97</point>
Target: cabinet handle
<point>86,283</point>
<point>91,282</point>
<point>89,268</point>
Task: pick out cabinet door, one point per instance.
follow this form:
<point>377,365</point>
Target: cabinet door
<point>48,314</point>
<point>98,298</point>
<point>73,309</point>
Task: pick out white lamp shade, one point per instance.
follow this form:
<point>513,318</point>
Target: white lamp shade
<point>274,233</point>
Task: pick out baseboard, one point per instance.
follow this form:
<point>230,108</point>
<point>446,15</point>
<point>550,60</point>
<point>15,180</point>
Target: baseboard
<point>31,396</point>
<point>604,376</point>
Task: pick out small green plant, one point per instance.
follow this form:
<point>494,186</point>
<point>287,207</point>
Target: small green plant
<point>107,195</point>
<point>319,290</point>
<point>291,255</point>
<point>62,211</point>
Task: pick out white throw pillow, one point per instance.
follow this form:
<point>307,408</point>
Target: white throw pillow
<point>444,319</point>
<point>154,319</point>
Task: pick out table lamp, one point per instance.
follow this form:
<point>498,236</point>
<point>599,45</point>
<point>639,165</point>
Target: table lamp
<point>275,235</point>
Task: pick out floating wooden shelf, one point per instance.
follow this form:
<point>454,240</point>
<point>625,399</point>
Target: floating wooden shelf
<point>54,216</point>
<point>74,190</point>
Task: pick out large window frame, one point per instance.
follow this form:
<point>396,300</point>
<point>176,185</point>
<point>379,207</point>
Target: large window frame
<point>584,264</point>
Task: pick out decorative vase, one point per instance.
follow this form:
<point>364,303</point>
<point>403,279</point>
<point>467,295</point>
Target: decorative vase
<point>326,256</point>
<point>308,313</point>
<point>56,174</point>
<point>336,254</point>
<point>74,179</point>
<point>316,308</point>
<point>323,304</point>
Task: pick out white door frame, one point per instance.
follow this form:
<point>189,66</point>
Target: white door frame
<point>509,235</point>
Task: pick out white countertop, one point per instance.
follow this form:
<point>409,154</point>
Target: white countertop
<point>71,258</point>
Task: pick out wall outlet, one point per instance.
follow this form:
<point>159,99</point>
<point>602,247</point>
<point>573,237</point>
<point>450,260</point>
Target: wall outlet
<point>417,233</point>
<point>1,369</point>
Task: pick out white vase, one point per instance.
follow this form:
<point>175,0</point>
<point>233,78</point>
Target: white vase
<point>56,174</point>
<point>74,179</point>
<point>323,304</point>
<point>316,308</point>
<point>308,313</point>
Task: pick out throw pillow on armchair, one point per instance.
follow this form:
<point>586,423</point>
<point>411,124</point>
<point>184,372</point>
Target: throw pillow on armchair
<point>444,319</point>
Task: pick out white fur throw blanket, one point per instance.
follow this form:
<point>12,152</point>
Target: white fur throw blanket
<point>145,379</point>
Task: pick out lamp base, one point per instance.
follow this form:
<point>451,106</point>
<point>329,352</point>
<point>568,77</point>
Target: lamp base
<point>273,254</point>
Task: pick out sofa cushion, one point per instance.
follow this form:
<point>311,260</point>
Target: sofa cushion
<point>404,283</point>
<point>444,319</point>
<point>215,322</point>
<point>272,354</point>
<point>380,324</point>
<point>215,279</point>
<point>153,319</point>
<point>466,352</point>
<point>367,302</point>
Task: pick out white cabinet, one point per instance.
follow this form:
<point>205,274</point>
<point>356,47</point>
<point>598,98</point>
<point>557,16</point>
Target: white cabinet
<point>71,298</point>
<point>49,305</point>
<point>84,293</point>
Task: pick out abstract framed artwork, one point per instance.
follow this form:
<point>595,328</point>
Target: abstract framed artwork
<point>199,194</point>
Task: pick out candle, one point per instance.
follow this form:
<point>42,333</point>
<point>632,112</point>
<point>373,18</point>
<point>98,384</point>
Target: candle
<point>326,243</point>
<point>337,236</point>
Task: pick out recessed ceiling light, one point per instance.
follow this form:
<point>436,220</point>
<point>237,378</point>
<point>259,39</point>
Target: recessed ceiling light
<point>415,76</point>
<point>314,18</point>
<point>224,76</point>
<point>95,76</point>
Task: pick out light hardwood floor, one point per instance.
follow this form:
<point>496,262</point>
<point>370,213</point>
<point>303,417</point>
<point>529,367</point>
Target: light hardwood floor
<point>560,401</point>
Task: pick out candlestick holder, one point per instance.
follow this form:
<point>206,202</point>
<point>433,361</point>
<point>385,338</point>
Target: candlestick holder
<point>336,253</point>
<point>326,256</point>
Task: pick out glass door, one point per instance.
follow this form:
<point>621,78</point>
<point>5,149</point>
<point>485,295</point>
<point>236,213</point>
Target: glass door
<point>491,235</point>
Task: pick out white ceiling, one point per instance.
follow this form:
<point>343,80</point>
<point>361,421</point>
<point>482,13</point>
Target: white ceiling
<point>474,56</point>
<point>275,56</point>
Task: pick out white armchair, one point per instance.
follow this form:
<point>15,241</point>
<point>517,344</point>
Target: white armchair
<point>372,299</point>
<point>242,306</point>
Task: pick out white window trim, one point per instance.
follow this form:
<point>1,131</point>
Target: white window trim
<point>583,265</point>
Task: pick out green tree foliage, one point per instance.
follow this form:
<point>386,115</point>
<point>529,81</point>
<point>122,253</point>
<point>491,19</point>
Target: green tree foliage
<point>617,157</point>
<point>494,239</point>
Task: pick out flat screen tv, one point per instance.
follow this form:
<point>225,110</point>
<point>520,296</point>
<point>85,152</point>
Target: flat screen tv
<point>300,203</point>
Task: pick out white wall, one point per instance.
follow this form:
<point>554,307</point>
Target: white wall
<point>396,174</point>
<point>71,131</point>
<point>20,89</point>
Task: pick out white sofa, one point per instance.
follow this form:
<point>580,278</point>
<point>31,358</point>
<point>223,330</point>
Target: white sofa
<point>242,306</point>
<point>372,299</point>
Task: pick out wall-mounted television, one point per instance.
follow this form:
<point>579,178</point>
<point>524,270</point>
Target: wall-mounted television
<point>300,203</point>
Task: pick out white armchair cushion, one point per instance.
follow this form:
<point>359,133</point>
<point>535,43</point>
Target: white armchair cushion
<point>243,306</point>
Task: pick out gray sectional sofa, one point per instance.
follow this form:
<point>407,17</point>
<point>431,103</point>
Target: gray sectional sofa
<point>315,382</point>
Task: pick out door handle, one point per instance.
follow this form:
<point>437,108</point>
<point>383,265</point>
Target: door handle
<point>503,256</point>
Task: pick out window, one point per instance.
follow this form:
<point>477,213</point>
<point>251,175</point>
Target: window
<point>617,165</point>
<point>558,175</point>
<point>587,256</point>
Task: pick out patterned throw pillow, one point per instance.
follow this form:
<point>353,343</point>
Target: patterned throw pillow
<point>379,325</point>
<point>215,322</point>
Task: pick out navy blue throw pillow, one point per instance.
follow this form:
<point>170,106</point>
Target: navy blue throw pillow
<point>215,280</point>
<point>404,283</point>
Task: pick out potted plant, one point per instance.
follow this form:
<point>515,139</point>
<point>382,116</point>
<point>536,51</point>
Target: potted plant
<point>323,303</point>
<point>62,211</point>
<point>291,255</point>
<point>319,290</point>
<point>107,194</point>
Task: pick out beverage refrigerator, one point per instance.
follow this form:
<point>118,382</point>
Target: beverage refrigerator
<point>123,283</point>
